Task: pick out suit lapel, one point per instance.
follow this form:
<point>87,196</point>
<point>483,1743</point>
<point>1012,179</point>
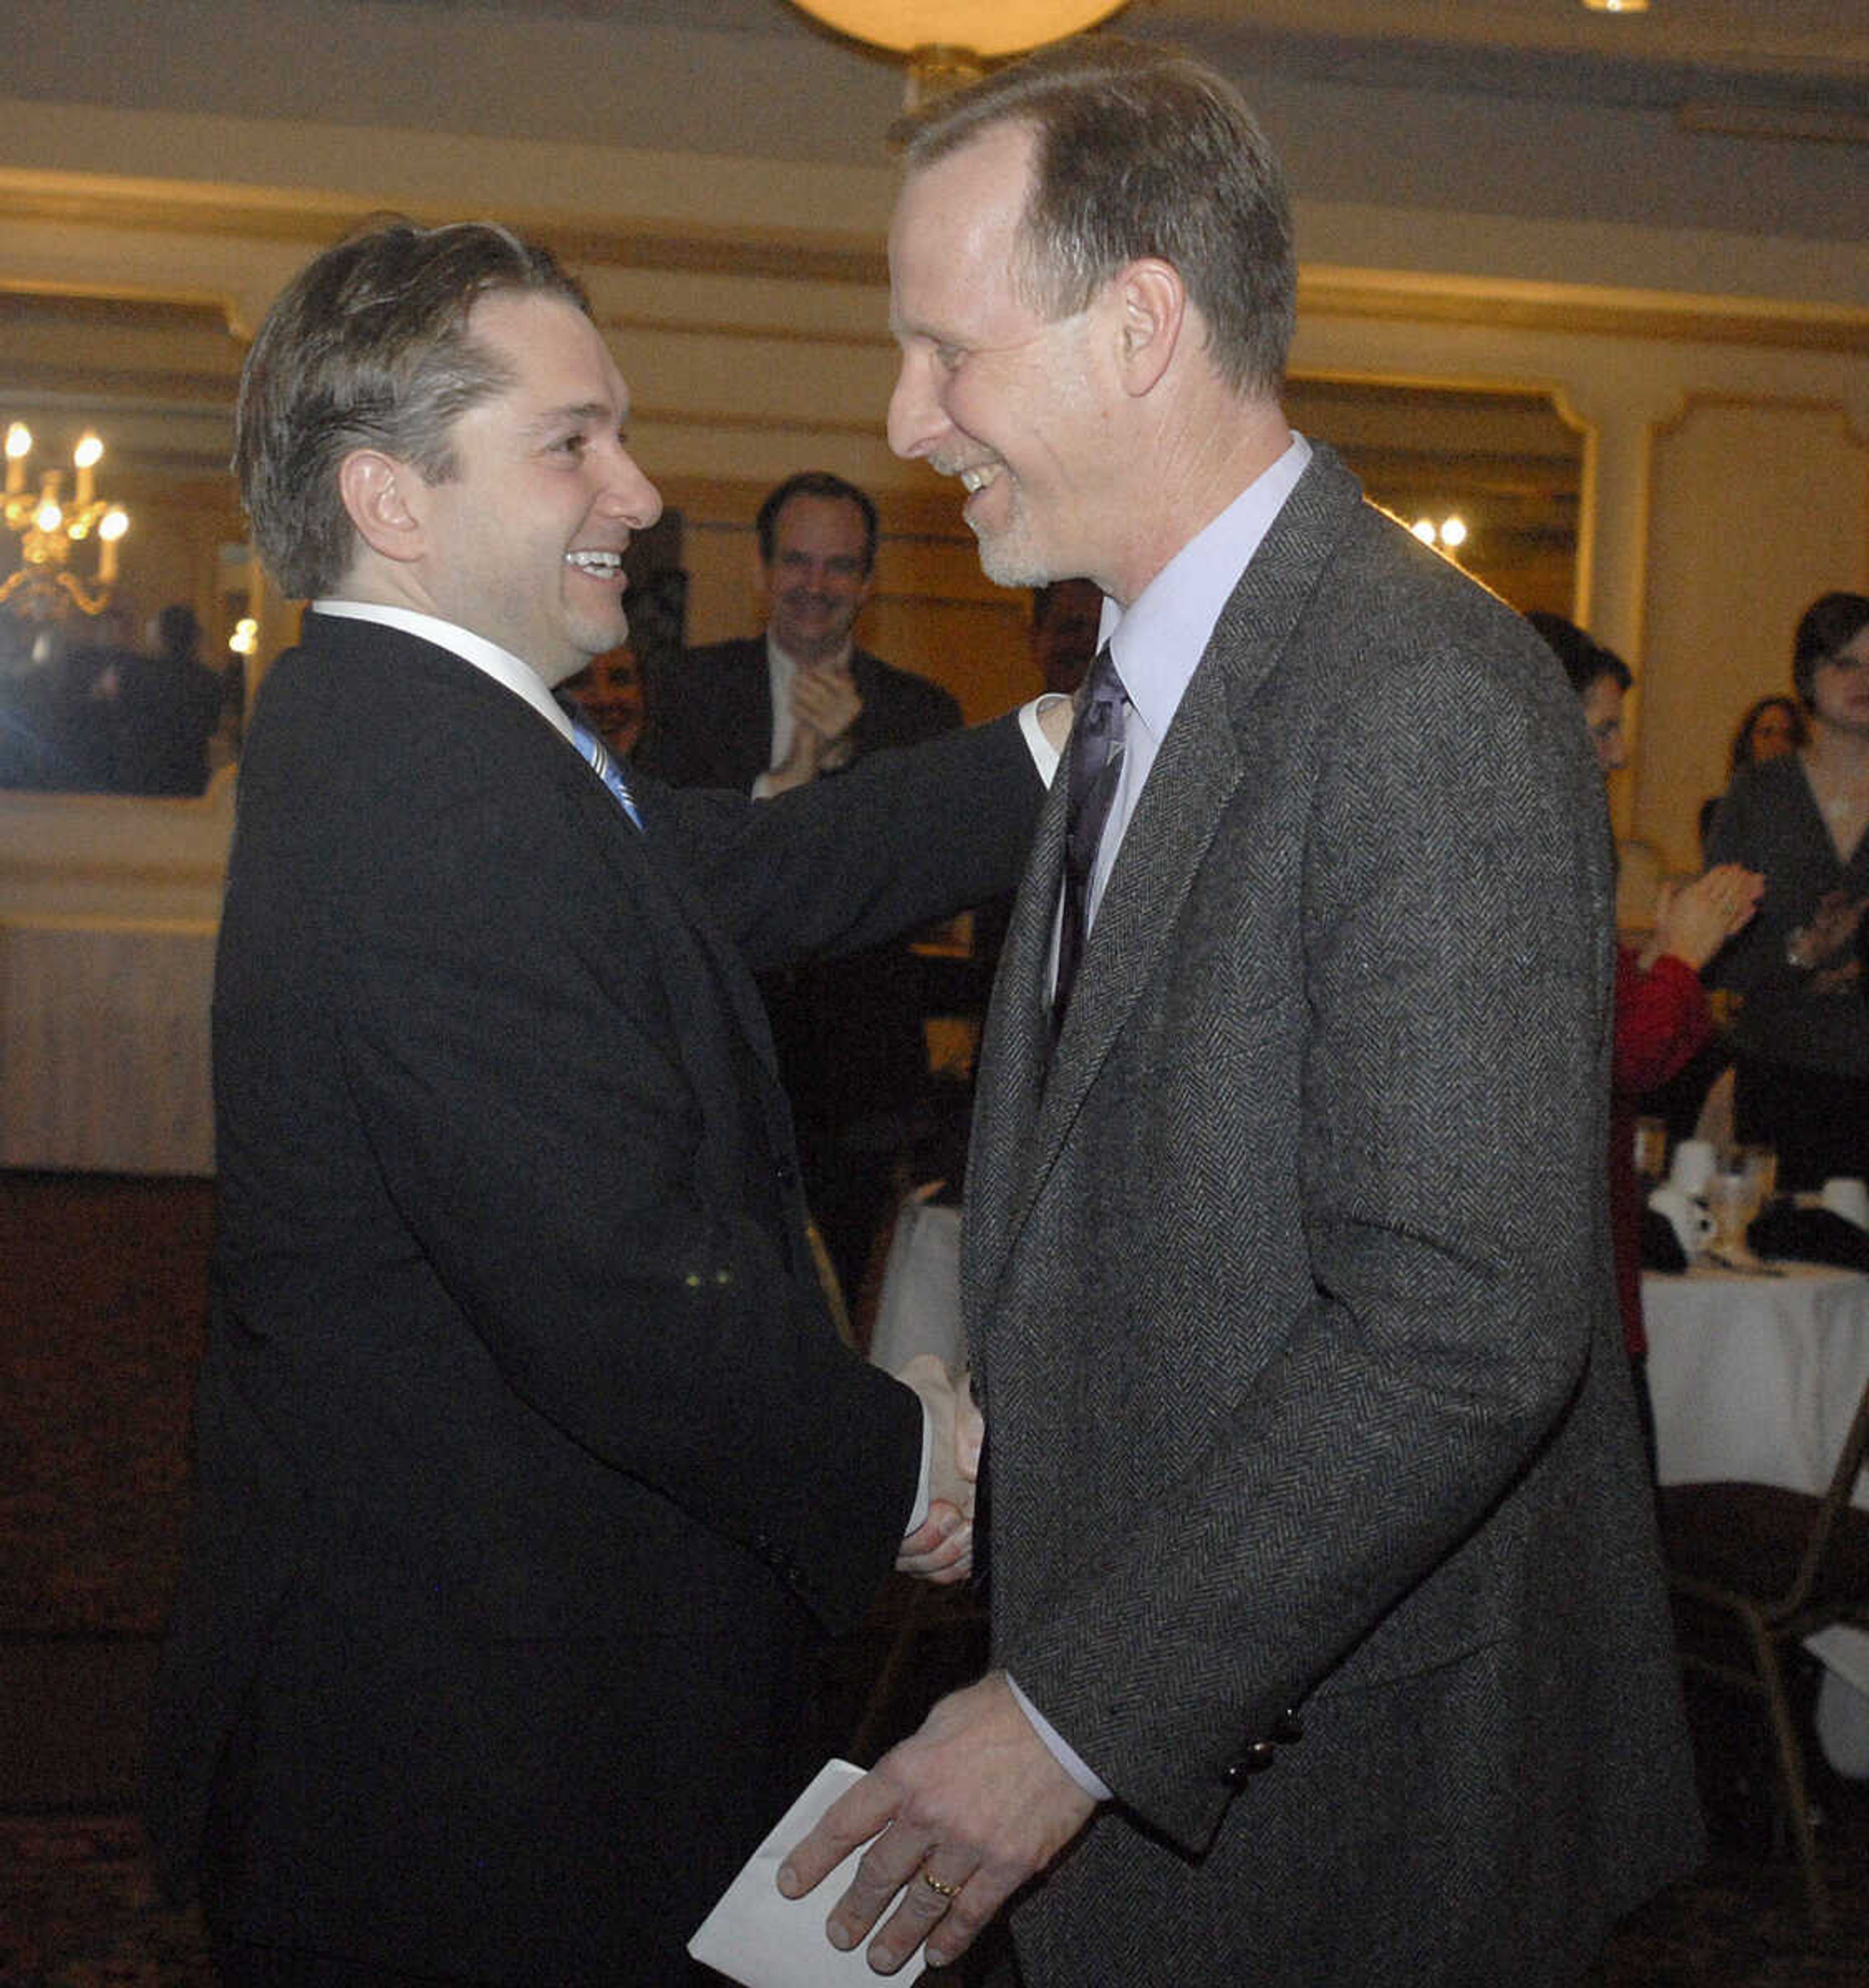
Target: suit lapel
<point>1027,1108</point>
<point>1014,1050</point>
<point>679,922</point>
<point>652,861</point>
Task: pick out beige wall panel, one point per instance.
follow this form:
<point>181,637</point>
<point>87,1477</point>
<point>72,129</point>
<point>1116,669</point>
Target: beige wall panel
<point>977,648</point>
<point>628,302</point>
<point>722,597</point>
<point>934,610</point>
<point>1758,508</point>
<point>729,377</point>
<point>675,449</point>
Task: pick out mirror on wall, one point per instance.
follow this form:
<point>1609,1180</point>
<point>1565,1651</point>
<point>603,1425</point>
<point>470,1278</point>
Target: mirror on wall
<point>1503,466</point>
<point>116,671</point>
<point>108,702</point>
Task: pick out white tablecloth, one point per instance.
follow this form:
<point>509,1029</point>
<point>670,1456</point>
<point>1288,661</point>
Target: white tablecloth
<point>1756,1378</point>
<point>919,1307</point>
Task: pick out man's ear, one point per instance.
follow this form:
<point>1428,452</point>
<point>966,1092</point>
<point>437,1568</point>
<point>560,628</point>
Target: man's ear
<point>382,496</point>
<point>1152,308</point>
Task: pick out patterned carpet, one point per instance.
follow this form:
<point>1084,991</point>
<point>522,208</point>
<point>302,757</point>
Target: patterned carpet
<point>101,1297</point>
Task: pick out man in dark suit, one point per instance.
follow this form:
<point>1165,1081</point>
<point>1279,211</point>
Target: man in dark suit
<point>1329,1631</point>
<point>165,710</point>
<point>773,712</point>
<point>531,1470</point>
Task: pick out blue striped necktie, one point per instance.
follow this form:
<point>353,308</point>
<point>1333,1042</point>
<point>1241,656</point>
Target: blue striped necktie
<point>606,769</point>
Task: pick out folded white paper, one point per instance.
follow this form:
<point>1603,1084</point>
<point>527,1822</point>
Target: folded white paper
<point>757,1936</point>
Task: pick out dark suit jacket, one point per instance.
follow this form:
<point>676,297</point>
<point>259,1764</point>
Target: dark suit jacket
<point>1289,1291</point>
<point>849,1031</point>
<point>165,713</point>
<point>531,1470</point>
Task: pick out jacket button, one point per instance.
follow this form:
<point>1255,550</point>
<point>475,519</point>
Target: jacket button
<point>1288,1729</point>
<point>1256,1759</point>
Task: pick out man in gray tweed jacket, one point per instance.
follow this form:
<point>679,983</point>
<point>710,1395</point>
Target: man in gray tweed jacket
<point>1329,1642</point>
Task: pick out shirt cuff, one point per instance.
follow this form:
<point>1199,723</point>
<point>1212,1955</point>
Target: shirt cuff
<point>922,1500</point>
<point>1060,1749</point>
<point>1045,755</point>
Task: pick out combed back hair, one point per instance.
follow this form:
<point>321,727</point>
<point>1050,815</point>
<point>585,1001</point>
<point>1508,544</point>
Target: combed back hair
<point>1585,661</point>
<point>1827,627</point>
<point>368,347</point>
<point>816,483</point>
<point>1139,152</point>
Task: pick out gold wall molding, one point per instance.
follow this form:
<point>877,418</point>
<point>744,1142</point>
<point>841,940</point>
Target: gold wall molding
<point>313,219</point>
<point>1673,317</point>
<point>807,255</point>
<point>1855,427</point>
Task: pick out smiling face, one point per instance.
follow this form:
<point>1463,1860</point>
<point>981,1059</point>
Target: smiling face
<point>818,578</point>
<point>1016,406</point>
<point>524,545</point>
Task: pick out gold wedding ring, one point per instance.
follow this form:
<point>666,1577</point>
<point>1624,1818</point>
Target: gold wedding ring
<point>934,1884</point>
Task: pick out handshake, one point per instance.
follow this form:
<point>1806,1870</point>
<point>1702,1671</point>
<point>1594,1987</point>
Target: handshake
<point>941,1548</point>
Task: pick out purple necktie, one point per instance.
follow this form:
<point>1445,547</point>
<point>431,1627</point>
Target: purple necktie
<point>1093,763</point>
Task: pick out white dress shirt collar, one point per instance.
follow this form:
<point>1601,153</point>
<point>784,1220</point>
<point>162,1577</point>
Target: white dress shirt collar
<point>1157,641</point>
<point>488,657</point>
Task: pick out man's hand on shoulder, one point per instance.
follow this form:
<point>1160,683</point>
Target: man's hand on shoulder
<point>962,1814</point>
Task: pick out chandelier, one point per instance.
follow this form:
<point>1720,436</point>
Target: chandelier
<point>43,583</point>
<point>949,41</point>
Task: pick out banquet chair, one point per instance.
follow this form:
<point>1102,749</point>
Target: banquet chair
<point>1754,1569</point>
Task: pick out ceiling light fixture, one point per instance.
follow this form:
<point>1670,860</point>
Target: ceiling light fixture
<point>950,42</point>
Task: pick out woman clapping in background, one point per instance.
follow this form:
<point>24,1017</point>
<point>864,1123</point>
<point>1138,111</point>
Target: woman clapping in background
<point>1802,1038</point>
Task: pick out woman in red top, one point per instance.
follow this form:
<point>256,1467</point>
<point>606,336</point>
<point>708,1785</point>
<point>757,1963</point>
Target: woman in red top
<point>1661,1013</point>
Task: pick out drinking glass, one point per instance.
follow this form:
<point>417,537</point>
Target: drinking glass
<point>1729,1202</point>
<point>1650,1149</point>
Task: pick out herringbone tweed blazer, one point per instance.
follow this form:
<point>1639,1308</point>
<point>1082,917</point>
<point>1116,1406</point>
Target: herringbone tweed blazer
<point>1289,1291</point>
